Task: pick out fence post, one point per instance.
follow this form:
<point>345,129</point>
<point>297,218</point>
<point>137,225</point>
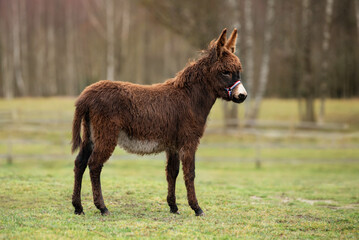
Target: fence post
<point>9,157</point>
<point>258,162</point>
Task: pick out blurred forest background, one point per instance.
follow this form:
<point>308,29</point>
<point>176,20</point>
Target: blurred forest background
<point>284,164</point>
<point>304,49</point>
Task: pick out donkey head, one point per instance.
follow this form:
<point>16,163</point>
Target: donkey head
<point>226,69</point>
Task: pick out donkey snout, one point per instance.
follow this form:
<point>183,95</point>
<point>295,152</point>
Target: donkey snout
<point>240,98</point>
<point>240,94</point>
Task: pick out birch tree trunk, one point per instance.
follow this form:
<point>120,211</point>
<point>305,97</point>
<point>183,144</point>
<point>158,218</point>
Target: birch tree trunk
<point>230,110</point>
<point>24,46</point>
<point>110,39</point>
<point>125,27</point>
<point>19,81</point>
<point>140,54</point>
<point>50,80</point>
<point>263,74</point>
<point>7,69</point>
<point>249,60</point>
<point>39,46</point>
<point>70,51</point>
<point>324,65</point>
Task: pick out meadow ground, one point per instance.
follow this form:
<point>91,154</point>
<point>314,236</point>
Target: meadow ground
<point>306,188</point>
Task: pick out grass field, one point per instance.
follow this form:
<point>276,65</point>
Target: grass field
<point>304,200</point>
<point>306,188</point>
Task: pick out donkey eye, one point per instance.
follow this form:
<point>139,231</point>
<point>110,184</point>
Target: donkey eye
<point>226,73</point>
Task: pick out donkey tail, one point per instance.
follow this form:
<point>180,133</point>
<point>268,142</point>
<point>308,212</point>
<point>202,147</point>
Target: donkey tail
<point>79,115</point>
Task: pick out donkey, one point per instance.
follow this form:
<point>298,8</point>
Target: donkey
<point>169,116</point>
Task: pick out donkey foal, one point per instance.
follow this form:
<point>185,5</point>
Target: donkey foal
<point>170,117</point>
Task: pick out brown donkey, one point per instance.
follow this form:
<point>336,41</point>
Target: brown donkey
<point>169,116</point>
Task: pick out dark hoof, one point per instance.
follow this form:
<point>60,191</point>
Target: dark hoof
<point>177,212</point>
<point>104,212</point>
<point>174,210</point>
<point>199,212</point>
<point>79,212</point>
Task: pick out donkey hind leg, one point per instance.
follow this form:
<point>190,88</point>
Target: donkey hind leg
<point>80,166</point>
<point>96,161</point>
<point>172,170</point>
<point>187,157</point>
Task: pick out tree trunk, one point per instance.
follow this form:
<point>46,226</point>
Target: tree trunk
<point>50,80</point>
<point>357,15</point>
<point>8,73</point>
<point>307,85</point>
<point>24,47</point>
<point>140,54</point>
<point>324,67</point>
<point>19,81</point>
<point>40,51</point>
<point>71,86</point>
<point>125,27</point>
<point>263,75</point>
<point>230,110</point>
<point>110,39</point>
<point>249,60</point>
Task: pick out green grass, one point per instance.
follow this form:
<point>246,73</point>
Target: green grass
<point>307,188</point>
<point>345,111</point>
<point>302,200</point>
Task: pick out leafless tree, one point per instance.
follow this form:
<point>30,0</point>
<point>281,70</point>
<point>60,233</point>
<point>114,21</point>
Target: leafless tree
<point>230,111</point>
<point>70,50</point>
<point>16,34</point>
<point>249,60</point>
<point>307,84</point>
<point>264,71</point>
<point>107,31</point>
<point>357,15</point>
<point>324,67</point>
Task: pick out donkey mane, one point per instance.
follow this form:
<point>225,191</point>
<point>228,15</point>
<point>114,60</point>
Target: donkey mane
<point>195,69</point>
<point>146,119</point>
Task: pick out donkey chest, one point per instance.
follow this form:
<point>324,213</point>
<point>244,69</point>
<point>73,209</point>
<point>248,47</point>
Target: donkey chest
<point>137,146</point>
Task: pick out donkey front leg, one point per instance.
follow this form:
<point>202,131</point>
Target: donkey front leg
<point>187,157</point>
<point>172,170</point>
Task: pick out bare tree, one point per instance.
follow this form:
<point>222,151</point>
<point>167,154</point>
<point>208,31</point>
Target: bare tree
<point>357,15</point>
<point>249,60</point>
<point>50,80</point>
<point>263,75</point>
<point>107,31</point>
<point>324,66</point>
<point>125,26</point>
<point>70,50</point>
<point>140,53</point>
<point>110,39</point>
<point>197,21</point>
<point>306,85</point>
<point>7,68</point>
<point>24,46</point>
<point>17,47</point>
<point>231,110</point>
<point>39,44</point>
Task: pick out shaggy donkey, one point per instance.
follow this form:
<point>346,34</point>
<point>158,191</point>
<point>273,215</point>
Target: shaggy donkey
<point>169,116</point>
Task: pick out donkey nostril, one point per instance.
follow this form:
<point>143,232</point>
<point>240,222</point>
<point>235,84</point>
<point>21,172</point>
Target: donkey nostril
<point>242,96</point>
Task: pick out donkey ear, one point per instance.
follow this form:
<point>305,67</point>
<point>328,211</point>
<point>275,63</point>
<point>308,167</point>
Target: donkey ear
<point>231,44</point>
<point>221,41</point>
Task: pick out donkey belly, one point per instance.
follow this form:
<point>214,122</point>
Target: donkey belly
<point>142,147</point>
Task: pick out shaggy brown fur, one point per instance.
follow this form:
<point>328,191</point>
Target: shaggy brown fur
<point>170,117</point>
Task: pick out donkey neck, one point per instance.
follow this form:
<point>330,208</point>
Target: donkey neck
<point>202,100</point>
<point>194,80</point>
